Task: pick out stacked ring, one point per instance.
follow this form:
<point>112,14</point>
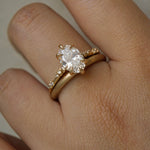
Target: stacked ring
<point>73,62</point>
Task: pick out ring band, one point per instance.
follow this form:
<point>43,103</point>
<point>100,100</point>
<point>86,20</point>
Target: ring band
<point>73,63</point>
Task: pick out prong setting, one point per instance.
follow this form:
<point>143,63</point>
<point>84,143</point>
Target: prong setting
<point>58,56</point>
<point>72,62</point>
<point>61,46</point>
<point>70,58</point>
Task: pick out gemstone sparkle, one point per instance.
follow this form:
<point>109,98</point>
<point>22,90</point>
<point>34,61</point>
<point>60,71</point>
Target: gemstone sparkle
<point>71,59</point>
<point>51,84</point>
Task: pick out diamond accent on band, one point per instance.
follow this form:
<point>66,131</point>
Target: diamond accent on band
<point>51,84</point>
<point>91,52</point>
<point>59,72</point>
<point>71,59</point>
<point>57,75</point>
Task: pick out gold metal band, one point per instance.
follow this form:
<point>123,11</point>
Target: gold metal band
<point>64,77</point>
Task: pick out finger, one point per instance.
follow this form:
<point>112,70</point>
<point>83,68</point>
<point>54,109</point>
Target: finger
<point>37,31</point>
<point>14,142</point>
<point>26,105</point>
<point>118,27</point>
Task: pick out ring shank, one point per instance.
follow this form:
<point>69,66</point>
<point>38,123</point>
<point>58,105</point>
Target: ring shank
<point>68,76</point>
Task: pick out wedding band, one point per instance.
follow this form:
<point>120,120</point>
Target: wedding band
<point>72,62</point>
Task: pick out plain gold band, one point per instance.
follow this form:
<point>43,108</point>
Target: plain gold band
<point>68,76</point>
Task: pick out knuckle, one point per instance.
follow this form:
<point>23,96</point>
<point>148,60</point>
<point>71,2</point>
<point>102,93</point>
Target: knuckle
<point>7,81</point>
<point>25,17</point>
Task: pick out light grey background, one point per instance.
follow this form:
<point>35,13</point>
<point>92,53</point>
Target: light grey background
<point>10,58</point>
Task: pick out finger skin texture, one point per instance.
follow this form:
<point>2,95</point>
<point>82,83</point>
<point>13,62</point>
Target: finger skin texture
<point>118,27</point>
<point>13,141</point>
<point>26,105</point>
<point>108,107</point>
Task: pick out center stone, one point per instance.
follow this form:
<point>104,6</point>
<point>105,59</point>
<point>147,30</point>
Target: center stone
<point>71,59</point>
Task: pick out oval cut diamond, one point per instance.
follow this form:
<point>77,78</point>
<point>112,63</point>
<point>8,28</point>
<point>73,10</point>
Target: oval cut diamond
<point>71,59</point>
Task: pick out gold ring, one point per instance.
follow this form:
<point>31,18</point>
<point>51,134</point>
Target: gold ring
<point>73,62</point>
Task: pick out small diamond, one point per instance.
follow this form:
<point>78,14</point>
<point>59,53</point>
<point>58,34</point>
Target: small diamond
<point>57,75</point>
<point>51,84</point>
<point>95,50</point>
<point>71,59</point>
<point>59,72</point>
<point>88,52</point>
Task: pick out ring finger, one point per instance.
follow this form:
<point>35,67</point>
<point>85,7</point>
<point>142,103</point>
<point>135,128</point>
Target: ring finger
<point>36,31</point>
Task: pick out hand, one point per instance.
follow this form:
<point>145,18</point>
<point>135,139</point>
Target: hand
<point>108,107</point>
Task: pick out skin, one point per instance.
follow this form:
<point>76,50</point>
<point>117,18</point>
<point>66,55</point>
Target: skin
<point>106,108</point>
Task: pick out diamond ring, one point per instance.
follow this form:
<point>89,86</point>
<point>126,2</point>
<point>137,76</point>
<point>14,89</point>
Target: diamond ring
<point>72,62</point>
